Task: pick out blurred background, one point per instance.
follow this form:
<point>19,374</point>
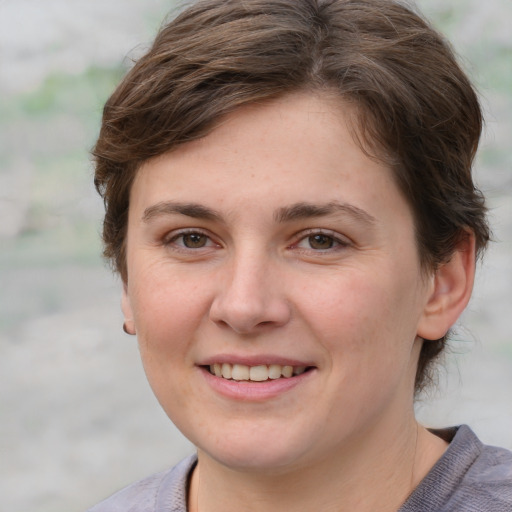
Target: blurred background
<point>77,418</point>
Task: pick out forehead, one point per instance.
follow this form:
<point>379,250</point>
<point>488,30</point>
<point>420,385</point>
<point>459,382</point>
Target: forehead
<point>298,148</point>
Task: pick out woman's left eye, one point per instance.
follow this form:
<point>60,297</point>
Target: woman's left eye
<point>194,240</point>
<point>320,242</point>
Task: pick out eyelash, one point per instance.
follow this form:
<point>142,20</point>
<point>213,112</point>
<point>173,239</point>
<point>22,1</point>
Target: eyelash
<point>337,242</point>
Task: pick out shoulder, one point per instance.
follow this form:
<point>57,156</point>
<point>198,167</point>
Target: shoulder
<point>164,491</point>
<point>469,477</point>
<point>487,484</point>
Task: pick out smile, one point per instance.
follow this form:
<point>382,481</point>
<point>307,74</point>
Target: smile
<point>259,373</point>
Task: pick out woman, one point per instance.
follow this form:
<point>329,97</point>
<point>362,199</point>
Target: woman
<point>289,203</point>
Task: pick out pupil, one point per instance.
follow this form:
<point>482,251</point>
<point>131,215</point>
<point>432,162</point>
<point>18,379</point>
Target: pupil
<point>320,242</point>
<point>194,240</point>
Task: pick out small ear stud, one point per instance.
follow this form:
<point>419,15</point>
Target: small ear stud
<point>125,329</point>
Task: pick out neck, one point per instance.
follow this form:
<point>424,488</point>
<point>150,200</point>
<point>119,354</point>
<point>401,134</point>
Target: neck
<point>376,472</point>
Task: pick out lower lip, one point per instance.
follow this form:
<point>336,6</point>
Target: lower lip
<point>244,390</point>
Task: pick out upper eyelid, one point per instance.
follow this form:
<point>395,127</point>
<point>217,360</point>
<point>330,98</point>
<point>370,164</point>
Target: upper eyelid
<point>187,231</point>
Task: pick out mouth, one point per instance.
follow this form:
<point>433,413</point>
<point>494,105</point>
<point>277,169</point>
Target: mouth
<point>258,373</point>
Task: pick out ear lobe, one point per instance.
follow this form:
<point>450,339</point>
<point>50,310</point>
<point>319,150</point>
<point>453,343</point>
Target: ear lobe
<point>126,308</point>
<point>451,291</point>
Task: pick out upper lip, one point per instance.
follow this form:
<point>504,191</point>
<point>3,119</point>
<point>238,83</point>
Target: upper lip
<point>253,360</point>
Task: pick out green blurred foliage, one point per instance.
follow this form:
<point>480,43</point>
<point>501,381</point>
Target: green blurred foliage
<point>74,94</point>
<point>50,132</point>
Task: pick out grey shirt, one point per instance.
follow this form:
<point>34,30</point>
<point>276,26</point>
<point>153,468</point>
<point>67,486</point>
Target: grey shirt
<point>469,477</point>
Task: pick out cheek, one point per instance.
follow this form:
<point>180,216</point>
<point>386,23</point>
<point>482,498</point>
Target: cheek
<point>347,303</point>
<point>167,311</point>
<point>369,320</point>
<point>167,321</point>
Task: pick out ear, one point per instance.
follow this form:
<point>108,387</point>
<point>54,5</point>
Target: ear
<point>452,284</point>
<point>126,308</point>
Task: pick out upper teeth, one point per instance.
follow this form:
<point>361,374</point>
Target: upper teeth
<point>256,373</point>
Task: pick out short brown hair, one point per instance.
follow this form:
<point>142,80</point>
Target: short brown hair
<point>417,110</point>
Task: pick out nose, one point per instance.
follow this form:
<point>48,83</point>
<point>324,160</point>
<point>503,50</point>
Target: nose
<point>251,296</point>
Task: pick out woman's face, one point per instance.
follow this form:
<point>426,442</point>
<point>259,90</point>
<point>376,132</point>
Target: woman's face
<point>274,242</point>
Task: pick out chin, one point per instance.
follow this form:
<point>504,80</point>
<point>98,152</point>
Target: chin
<point>261,453</point>
<point>254,460</point>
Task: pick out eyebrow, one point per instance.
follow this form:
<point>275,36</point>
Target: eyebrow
<point>194,210</point>
<point>305,210</point>
<point>297,211</point>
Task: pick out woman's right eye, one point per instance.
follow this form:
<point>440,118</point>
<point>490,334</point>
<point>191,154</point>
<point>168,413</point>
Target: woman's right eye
<point>190,240</point>
<point>321,242</point>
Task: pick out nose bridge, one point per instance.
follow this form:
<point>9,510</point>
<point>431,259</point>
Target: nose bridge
<point>248,296</point>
